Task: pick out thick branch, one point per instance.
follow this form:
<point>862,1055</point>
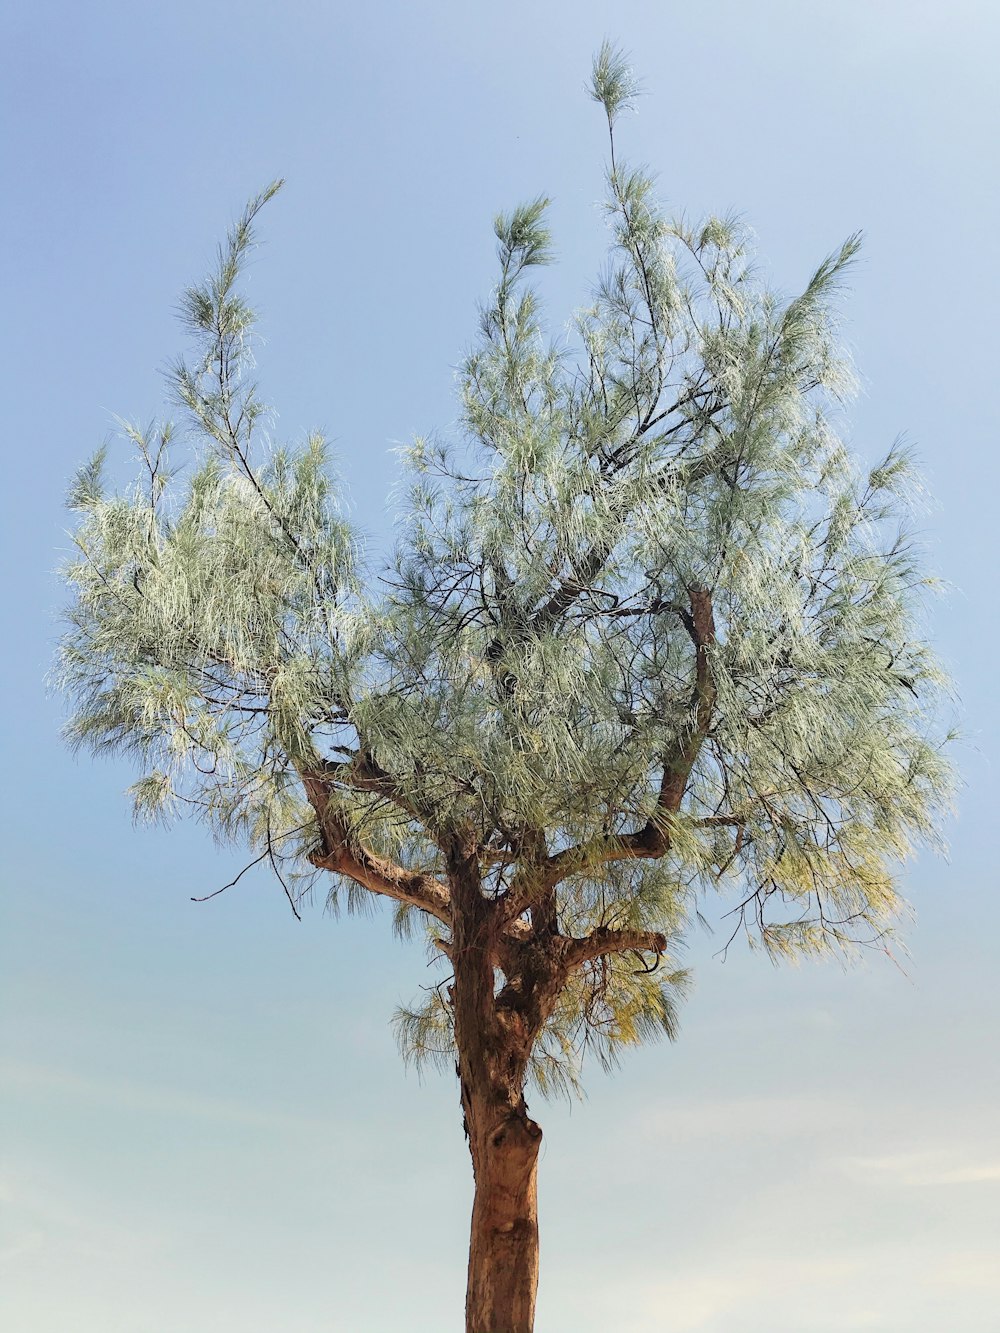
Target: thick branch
<point>604,941</point>
<point>342,853</point>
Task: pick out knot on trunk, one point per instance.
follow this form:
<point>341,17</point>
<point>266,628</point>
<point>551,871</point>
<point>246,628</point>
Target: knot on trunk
<point>517,1134</point>
<point>505,1149</point>
<point>503,1255</point>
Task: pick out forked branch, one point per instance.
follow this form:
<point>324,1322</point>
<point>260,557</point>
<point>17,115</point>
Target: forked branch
<point>653,839</point>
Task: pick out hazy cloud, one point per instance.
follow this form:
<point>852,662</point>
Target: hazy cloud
<point>935,1167</point>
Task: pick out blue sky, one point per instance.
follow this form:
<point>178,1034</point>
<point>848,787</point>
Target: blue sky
<point>205,1123</point>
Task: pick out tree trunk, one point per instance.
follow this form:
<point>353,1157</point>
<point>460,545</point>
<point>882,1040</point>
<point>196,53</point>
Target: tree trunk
<point>503,1249</point>
<point>494,1035</point>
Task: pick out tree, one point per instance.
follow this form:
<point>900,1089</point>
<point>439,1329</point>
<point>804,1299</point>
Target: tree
<point>647,635</point>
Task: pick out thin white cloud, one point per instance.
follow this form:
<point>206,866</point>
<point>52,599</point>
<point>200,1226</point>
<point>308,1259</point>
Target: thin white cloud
<point>24,1243</point>
<point>746,1117</point>
<point>972,1270</point>
<point>725,1294</point>
<point>41,1216</point>
<point>887,1287</point>
<point>933,1167</point>
<point>155,1098</point>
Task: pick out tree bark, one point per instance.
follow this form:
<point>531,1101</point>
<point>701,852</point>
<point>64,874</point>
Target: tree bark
<point>503,1248</point>
<point>494,1034</point>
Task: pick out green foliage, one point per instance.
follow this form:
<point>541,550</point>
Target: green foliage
<point>612,81</point>
<point>525,668</point>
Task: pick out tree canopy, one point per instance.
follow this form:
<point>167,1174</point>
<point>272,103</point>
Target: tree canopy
<point>648,634</point>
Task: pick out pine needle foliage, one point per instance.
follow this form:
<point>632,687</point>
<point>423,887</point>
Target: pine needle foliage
<point>529,667</point>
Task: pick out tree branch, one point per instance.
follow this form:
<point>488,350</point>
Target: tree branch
<point>701,628</point>
<point>593,561</point>
<point>342,853</point>
<point>653,839</point>
<point>604,941</point>
<point>363,773</point>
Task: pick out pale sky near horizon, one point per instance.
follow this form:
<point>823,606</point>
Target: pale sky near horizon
<point>204,1123</point>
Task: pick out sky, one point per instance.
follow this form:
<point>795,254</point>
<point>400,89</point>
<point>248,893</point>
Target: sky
<point>204,1122</point>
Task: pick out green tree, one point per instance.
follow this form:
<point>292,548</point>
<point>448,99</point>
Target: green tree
<point>647,635</point>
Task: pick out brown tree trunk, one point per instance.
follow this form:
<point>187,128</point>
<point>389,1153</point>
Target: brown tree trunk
<point>494,1036</point>
<point>503,1249</point>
